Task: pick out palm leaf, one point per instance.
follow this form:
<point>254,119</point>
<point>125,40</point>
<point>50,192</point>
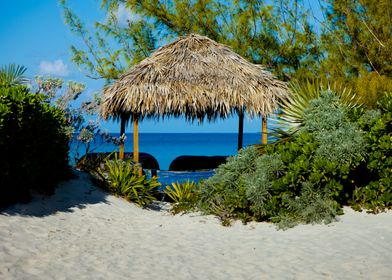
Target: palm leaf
<point>13,74</point>
<point>293,107</point>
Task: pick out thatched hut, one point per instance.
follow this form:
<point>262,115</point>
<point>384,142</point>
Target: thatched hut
<point>194,77</point>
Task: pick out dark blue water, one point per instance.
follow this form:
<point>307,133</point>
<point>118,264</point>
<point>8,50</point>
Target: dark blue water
<point>166,178</point>
<point>167,146</point>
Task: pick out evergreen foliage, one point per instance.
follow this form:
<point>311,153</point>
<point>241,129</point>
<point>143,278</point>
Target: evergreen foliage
<point>311,207</point>
<point>114,45</point>
<point>352,46</point>
<point>33,145</point>
<point>224,194</point>
<point>376,194</point>
<point>276,34</point>
<point>303,180</point>
<point>357,37</point>
<point>259,185</point>
<point>339,140</point>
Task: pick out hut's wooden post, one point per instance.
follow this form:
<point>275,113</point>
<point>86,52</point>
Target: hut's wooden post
<point>264,130</point>
<point>136,145</point>
<point>135,140</point>
<point>240,129</point>
<point>122,132</point>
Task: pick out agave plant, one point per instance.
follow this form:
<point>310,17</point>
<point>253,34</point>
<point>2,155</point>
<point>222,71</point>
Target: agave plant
<point>180,193</point>
<point>122,178</point>
<point>293,107</point>
<point>184,195</point>
<point>385,103</point>
<point>12,74</point>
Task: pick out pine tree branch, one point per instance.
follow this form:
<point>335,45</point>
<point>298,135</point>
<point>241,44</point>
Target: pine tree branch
<point>368,28</point>
<point>374,68</point>
<point>371,32</point>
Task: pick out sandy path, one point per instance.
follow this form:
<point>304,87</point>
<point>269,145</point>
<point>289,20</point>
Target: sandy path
<point>82,233</point>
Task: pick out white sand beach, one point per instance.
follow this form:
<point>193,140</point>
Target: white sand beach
<point>83,233</point>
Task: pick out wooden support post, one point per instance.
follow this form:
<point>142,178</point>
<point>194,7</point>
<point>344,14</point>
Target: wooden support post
<point>136,146</point>
<point>264,130</point>
<point>122,132</point>
<point>240,129</point>
<point>135,141</point>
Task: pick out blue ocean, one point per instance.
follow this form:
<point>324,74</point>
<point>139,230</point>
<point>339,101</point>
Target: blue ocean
<point>165,147</point>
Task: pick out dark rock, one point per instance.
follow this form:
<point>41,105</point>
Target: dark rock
<point>192,163</point>
<point>146,160</point>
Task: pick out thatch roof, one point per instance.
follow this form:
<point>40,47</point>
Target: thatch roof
<point>196,77</point>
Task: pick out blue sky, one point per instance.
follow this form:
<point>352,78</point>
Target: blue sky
<point>33,34</point>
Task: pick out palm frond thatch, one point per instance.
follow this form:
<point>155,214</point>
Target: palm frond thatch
<point>196,77</point>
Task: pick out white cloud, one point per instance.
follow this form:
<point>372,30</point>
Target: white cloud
<point>124,14</point>
<point>55,68</point>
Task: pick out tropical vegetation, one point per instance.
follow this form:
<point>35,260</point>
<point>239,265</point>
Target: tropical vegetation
<point>121,177</point>
<point>340,156</point>
<point>83,126</point>
<point>348,42</point>
<point>336,152</point>
<point>12,75</point>
<point>182,195</point>
<point>33,144</point>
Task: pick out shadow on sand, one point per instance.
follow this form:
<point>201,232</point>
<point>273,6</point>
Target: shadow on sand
<point>75,193</point>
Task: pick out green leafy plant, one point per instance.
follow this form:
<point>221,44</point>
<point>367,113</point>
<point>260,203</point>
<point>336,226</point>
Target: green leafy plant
<point>311,207</point>
<point>294,106</point>
<point>82,125</point>
<point>259,184</point>
<point>375,193</point>
<point>385,103</point>
<point>33,144</point>
<point>305,179</point>
<point>180,192</point>
<point>224,194</point>
<point>183,195</point>
<point>13,75</point>
<point>122,178</point>
<point>326,150</point>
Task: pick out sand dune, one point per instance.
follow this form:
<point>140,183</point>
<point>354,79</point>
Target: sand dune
<point>83,233</point>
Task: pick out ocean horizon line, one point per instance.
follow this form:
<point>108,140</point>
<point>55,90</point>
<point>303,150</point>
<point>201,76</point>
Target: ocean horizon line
<point>235,133</point>
<point>186,132</point>
<point>165,147</point>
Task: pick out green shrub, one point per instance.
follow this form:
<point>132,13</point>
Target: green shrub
<point>311,207</point>
<point>183,195</point>
<point>224,194</point>
<point>260,189</point>
<point>375,193</point>
<point>341,155</point>
<point>339,140</point>
<point>294,106</point>
<point>302,180</point>
<point>121,178</point>
<point>33,145</point>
